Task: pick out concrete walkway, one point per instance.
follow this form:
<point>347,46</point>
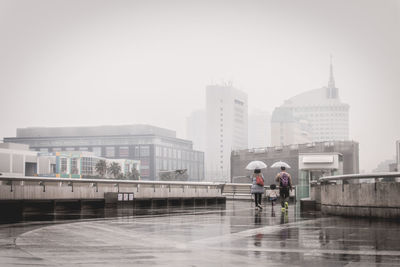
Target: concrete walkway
<point>235,235</point>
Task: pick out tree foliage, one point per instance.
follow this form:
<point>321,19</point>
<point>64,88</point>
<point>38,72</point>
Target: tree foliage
<point>114,169</point>
<point>101,168</point>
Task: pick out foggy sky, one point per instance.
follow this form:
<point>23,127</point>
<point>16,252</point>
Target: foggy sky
<point>77,63</point>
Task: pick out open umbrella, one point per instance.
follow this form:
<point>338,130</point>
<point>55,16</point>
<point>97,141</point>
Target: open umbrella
<point>279,164</point>
<point>256,164</point>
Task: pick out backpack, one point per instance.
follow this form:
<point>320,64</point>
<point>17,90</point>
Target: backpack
<point>259,180</point>
<point>284,179</point>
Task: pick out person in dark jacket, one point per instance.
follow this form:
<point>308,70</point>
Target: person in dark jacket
<point>256,189</point>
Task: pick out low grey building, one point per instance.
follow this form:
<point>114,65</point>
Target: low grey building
<point>290,155</point>
<point>157,149</point>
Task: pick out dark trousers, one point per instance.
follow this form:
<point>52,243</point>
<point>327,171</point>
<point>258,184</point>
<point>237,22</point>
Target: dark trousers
<point>284,195</point>
<point>257,198</point>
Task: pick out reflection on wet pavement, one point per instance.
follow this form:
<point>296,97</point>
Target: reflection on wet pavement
<point>228,235</point>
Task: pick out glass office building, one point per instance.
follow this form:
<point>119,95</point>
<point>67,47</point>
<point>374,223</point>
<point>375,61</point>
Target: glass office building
<point>157,149</point>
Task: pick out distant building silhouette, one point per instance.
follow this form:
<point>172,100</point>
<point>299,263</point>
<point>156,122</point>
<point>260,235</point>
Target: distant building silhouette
<point>196,129</point>
<point>259,129</point>
<point>316,115</point>
<point>157,149</point>
<point>227,126</point>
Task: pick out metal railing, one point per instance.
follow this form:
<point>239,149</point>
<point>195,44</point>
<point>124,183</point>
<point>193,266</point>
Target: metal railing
<point>244,190</point>
<point>376,176</point>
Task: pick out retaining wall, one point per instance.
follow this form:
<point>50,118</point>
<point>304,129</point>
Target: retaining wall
<point>380,199</point>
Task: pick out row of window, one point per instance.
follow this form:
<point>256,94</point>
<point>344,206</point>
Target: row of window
<point>109,151</point>
<point>319,109</point>
<point>167,152</point>
<point>175,165</point>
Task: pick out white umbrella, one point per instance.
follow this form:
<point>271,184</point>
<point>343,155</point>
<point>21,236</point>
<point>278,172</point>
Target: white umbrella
<point>256,164</point>
<point>279,164</point>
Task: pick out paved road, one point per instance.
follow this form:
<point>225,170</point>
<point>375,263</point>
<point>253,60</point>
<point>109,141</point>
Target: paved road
<point>234,235</point>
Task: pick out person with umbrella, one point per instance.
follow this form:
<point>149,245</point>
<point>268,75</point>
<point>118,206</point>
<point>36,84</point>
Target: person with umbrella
<point>285,183</point>
<point>257,187</point>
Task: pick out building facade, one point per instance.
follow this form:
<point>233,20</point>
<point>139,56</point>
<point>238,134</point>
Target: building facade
<point>290,154</point>
<point>227,128</point>
<point>288,129</point>
<point>156,148</point>
<point>259,129</point>
<point>18,160</point>
<point>319,114</point>
<point>196,129</point>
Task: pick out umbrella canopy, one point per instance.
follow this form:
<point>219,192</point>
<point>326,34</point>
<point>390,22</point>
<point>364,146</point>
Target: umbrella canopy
<point>256,164</point>
<point>279,164</point>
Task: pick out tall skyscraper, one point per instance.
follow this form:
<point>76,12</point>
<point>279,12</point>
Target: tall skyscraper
<point>318,114</point>
<point>196,129</point>
<point>227,126</point>
<point>259,128</point>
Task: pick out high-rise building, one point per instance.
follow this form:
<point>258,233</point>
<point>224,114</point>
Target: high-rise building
<point>319,114</point>
<point>227,128</point>
<point>196,129</point>
<point>259,129</point>
<point>288,129</point>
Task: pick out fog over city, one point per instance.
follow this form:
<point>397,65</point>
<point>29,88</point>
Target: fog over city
<point>94,62</point>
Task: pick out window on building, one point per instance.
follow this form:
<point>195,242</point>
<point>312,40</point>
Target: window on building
<point>158,151</point>
<point>87,165</point>
<point>83,149</point>
<point>144,151</point>
<point>97,151</point>
<point>144,163</point>
<point>145,172</point>
<point>110,152</point>
<point>74,166</point>
<point>124,152</point>
<point>165,165</point>
<point>63,165</point>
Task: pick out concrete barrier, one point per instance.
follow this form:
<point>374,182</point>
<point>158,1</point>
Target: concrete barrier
<point>35,188</point>
<point>345,195</point>
<point>364,199</point>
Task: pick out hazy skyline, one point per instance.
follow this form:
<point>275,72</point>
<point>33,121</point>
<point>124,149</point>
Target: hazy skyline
<point>77,63</point>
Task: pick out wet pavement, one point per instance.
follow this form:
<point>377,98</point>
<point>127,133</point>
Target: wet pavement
<point>234,234</point>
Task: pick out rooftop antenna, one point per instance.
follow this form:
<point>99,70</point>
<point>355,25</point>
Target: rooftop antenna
<point>331,83</point>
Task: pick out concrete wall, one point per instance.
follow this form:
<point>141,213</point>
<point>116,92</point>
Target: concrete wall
<point>364,199</point>
<point>63,190</point>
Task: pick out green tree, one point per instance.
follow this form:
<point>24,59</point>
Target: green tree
<point>101,168</point>
<point>134,174</point>
<point>114,169</point>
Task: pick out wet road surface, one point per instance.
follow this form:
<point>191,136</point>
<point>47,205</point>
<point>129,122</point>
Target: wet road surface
<point>234,234</point>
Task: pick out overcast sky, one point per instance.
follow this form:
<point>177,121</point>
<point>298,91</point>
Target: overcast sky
<point>67,63</point>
